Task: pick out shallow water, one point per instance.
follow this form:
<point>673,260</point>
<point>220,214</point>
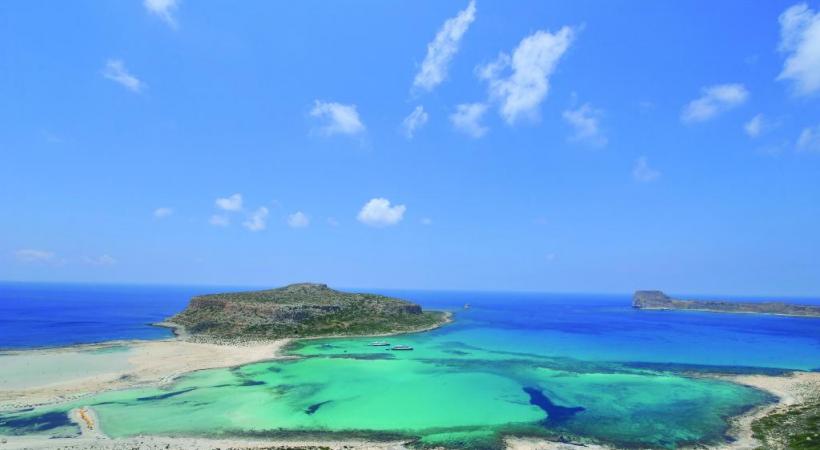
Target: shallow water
<point>574,366</point>
<point>443,393</point>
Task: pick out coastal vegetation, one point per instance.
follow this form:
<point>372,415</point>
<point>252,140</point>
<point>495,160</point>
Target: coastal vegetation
<point>659,300</point>
<point>794,427</point>
<point>301,310</point>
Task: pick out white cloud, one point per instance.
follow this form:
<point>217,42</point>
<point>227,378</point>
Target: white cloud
<point>115,70</point>
<point>585,121</point>
<point>232,203</point>
<point>161,213</point>
<point>800,41</point>
<point>426,221</point>
<point>378,213</point>
<point>298,220</point>
<point>754,126</point>
<point>102,260</point>
<point>414,121</point>
<point>809,140</point>
<point>713,101</point>
<point>467,117</point>
<point>28,255</point>
<point>164,9</point>
<point>641,172</point>
<point>219,220</point>
<point>337,118</point>
<point>442,49</point>
<point>257,220</point>
<point>531,65</point>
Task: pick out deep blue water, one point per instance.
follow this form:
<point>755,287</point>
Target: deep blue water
<point>46,314</point>
<point>587,327</point>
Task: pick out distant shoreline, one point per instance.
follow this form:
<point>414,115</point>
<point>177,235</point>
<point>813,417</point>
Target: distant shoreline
<point>658,301</point>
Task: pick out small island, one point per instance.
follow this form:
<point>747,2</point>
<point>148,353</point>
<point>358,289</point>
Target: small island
<point>300,310</point>
<point>659,300</point>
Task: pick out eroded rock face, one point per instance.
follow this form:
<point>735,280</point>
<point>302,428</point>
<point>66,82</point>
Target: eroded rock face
<point>649,299</point>
<point>299,310</point>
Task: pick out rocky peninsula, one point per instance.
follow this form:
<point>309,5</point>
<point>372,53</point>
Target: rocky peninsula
<point>659,300</point>
<point>299,311</point>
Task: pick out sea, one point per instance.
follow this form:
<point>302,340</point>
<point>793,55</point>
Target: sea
<point>562,366</point>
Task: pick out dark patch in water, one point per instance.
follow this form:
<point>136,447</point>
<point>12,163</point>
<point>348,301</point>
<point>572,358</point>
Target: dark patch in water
<point>164,396</point>
<point>705,368</point>
<point>35,423</point>
<point>274,369</point>
<point>314,407</point>
<point>456,352</point>
<point>252,383</point>
<point>555,413</point>
<point>364,356</point>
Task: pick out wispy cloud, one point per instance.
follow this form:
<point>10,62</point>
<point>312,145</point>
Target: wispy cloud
<point>164,9</point>
<point>442,49</point>
<point>467,118</point>
<point>809,139</point>
<point>231,203</point>
<point>414,121</point>
<point>337,118</point>
<point>532,63</point>
<point>161,213</point>
<point>219,220</point>
<point>800,41</point>
<point>29,256</point>
<point>102,260</point>
<point>585,122</point>
<point>714,100</point>
<point>379,213</point>
<point>298,220</point>
<point>257,220</point>
<point>754,126</point>
<point>115,71</point>
<point>643,173</point>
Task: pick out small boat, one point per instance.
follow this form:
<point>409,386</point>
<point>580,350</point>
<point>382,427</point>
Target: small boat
<point>401,347</point>
<point>379,344</point>
<point>466,306</point>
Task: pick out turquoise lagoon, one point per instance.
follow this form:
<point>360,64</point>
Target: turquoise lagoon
<point>577,367</point>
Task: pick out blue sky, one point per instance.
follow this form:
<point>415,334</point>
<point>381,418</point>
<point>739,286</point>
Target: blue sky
<point>556,146</point>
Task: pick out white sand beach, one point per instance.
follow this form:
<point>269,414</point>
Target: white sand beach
<point>28,378</point>
<point>36,377</point>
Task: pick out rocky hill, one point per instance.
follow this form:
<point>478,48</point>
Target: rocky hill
<point>659,300</point>
<point>301,310</point>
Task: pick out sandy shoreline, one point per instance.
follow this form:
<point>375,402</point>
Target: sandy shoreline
<point>134,363</point>
<point>28,378</point>
<point>129,364</point>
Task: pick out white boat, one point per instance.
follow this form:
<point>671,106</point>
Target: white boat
<point>401,347</point>
<point>379,344</point>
